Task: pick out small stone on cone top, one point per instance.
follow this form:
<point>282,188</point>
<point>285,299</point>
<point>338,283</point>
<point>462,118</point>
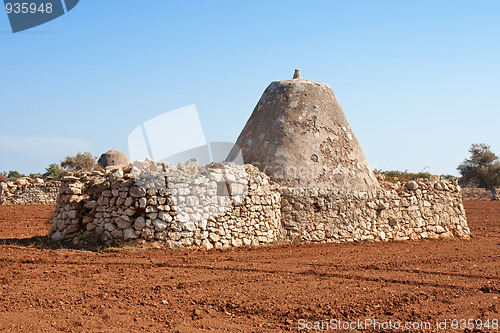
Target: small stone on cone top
<point>296,75</point>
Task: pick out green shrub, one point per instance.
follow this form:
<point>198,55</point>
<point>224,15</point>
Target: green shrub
<point>80,162</point>
<point>481,168</point>
<point>54,170</point>
<point>13,175</point>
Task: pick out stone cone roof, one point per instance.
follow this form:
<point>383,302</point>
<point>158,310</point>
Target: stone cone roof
<point>299,136</point>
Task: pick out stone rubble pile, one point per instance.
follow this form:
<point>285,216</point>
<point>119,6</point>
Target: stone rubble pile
<point>27,191</point>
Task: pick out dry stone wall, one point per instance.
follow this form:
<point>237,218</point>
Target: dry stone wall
<point>473,193</point>
<point>220,205</point>
<point>224,204</point>
<point>423,209</point>
<point>26,191</point>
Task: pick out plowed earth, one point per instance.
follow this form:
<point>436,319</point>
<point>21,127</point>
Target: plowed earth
<point>44,287</point>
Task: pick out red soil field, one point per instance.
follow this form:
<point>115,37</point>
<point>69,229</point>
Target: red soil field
<point>44,287</point>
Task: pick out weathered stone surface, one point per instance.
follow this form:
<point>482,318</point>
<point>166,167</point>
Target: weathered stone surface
<point>110,226</point>
<point>206,244</point>
<point>129,234</point>
<point>136,192</point>
<point>123,223</point>
<point>298,116</point>
<point>72,214</point>
<point>147,234</point>
<point>412,185</point>
<point>164,216</point>
<point>116,175</point>
<point>129,212</point>
<point>236,242</point>
<point>214,237</point>
<point>91,204</point>
<point>56,236</point>
<point>113,158</point>
<point>87,219</point>
<point>139,223</point>
<point>117,234</point>
<point>159,225</point>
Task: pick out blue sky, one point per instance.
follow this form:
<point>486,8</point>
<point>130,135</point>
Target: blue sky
<point>418,80</point>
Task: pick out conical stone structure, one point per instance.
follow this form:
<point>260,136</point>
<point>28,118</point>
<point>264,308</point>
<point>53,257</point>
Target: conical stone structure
<point>299,136</point>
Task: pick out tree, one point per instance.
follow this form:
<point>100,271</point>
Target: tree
<point>482,168</point>
<point>80,162</point>
<point>14,175</point>
<point>54,170</point>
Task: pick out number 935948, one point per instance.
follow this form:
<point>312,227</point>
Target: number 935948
<point>28,8</point>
